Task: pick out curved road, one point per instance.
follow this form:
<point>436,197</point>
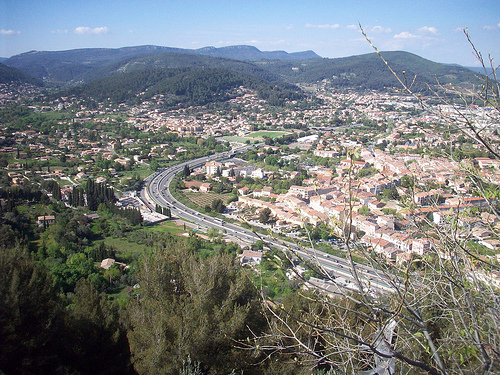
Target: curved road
<point>157,191</point>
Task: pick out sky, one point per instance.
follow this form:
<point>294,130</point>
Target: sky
<point>431,29</point>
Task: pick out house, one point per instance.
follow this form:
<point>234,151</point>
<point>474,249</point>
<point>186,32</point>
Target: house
<point>381,246</point>
<point>243,190</point>
<point>258,173</point>
<point>206,187</point>
<point>92,216</point>
<point>420,246</point>
<point>192,184</point>
<point>250,257</point>
<point>266,191</point>
<point>108,262</point>
<point>45,220</point>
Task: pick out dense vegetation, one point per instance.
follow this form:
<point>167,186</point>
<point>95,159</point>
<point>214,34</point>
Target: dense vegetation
<point>182,60</point>
<point>180,306</point>
<point>78,65</point>
<point>185,86</point>
<point>368,72</point>
<point>8,75</point>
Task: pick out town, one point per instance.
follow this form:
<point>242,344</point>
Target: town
<point>363,157</point>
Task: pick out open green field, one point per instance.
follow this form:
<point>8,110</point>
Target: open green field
<point>266,133</point>
<point>140,170</point>
<point>123,246</point>
<point>235,138</point>
<point>166,227</point>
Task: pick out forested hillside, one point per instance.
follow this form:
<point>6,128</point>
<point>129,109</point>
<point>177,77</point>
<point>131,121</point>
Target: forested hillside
<point>73,66</point>
<point>185,86</point>
<point>181,60</point>
<point>8,75</point>
<point>369,71</point>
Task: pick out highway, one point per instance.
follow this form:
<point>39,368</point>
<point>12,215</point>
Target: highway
<point>156,191</point>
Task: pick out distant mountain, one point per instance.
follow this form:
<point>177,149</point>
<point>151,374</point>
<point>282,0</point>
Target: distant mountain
<point>10,75</point>
<point>480,69</point>
<point>2,59</point>
<point>182,87</point>
<point>181,60</point>
<point>253,54</point>
<point>362,72</point>
<point>369,71</point>
<point>75,65</point>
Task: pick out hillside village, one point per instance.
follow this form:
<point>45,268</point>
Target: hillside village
<point>369,155</point>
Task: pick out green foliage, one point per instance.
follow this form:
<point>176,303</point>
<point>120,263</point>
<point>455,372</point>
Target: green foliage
<point>30,315</point>
<point>368,72</point>
<point>265,215</point>
<point>13,75</point>
<point>364,210</point>
<point>38,335</point>
<point>191,308</point>
<point>218,205</point>
<point>95,333</point>
<point>187,86</point>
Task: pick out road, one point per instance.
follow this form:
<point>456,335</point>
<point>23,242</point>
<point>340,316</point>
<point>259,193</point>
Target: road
<point>156,191</point>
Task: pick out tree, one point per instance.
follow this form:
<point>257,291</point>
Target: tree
<point>30,315</point>
<point>213,233</point>
<point>186,171</point>
<point>192,308</point>
<point>265,215</point>
<point>94,332</point>
<point>218,205</point>
<point>364,210</point>
<point>154,165</point>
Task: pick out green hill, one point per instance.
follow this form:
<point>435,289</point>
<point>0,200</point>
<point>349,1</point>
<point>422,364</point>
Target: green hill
<point>79,65</point>
<point>181,60</point>
<point>182,86</point>
<point>9,75</point>
<point>369,71</point>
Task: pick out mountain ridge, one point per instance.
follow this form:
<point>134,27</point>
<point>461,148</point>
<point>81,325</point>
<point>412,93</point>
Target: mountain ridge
<point>368,71</point>
<point>72,65</point>
<point>361,72</point>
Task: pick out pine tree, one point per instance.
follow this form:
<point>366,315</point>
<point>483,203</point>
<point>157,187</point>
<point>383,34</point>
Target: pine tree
<point>192,308</point>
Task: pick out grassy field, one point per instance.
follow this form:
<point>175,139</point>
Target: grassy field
<point>141,170</point>
<point>235,138</point>
<point>203,199</point>
<point>171,227</point>
<point>262,133</point>
<point>123,246</point>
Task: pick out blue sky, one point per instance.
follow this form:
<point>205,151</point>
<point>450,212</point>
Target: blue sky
<point>431,29</point>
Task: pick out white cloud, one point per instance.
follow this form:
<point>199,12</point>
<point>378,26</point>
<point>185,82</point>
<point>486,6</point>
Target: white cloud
<point>406,35</point>
<point>59,31</point>
<point>428,30</point>
<point>335,26</point>
<point>87,30</point>
<point>352,27</point>
<point>289,27</point>
<point>380,30</point>
<point>9,32</point>
<point>489,27</point>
